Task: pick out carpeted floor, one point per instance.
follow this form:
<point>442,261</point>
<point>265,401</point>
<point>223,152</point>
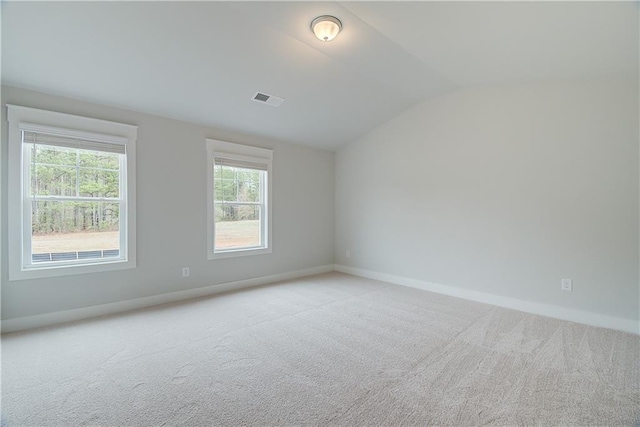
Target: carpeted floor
<point>331,349</point>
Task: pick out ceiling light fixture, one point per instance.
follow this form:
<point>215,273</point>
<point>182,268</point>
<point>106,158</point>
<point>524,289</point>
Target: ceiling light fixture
<point>326,27</point>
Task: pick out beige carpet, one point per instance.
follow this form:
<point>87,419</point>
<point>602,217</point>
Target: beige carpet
<point>331,349</point>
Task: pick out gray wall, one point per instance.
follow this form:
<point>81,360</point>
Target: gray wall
<point>502,190</point>
<point>171,214</point>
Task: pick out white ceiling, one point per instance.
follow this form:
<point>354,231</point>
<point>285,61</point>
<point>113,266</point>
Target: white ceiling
<point>202,62</point>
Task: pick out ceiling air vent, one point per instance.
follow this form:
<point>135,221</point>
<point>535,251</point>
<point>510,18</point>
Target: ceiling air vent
<point>263,98</point>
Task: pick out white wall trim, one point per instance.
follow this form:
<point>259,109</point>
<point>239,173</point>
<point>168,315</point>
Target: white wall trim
<point>47,319</point>
<point>19,209</point>
<point>250,154</point>
<point>578,316</point>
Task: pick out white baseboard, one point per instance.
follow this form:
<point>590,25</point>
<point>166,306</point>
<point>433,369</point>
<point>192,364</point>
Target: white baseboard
<point>29,322</point>
<point>588,318</point>
<point>578,316</point>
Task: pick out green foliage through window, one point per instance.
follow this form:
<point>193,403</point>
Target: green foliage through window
<point>74,173</point>
<point>236,190</point>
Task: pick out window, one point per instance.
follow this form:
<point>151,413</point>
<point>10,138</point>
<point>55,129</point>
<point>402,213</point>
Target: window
<point>239,209</point>
<point>71,194</point>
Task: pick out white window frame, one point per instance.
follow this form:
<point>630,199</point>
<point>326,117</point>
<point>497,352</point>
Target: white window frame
<point>249,154</point>
<point>19,233</point>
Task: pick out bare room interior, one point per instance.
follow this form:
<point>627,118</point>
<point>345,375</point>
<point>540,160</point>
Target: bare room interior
<point>320,213</point>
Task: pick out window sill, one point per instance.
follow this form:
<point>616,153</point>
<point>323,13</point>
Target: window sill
<point>42,272</point>
<point>238,253</point>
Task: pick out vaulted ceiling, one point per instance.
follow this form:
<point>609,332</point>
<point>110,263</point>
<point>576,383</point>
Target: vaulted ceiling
<point>202,62</point>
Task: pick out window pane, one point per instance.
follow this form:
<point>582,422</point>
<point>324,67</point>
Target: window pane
<point>249,187</point>
<point>228,172</point>
<point>248,175</point>
<point>225,189</point>
<point>53,155</point>
<point>53,180</point>
<point>237,226</point>
<point>64,231</point>
<point>99,183</point>
<point>55,172</point>
<point>248,191</point>
<point>229,190</point>
<point>234,184</point>
<point>99,159</point>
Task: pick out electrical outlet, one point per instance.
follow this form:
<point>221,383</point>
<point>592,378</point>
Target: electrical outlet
<point>348,254</point>
<point>186,271</point>
<point>566,285</point>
